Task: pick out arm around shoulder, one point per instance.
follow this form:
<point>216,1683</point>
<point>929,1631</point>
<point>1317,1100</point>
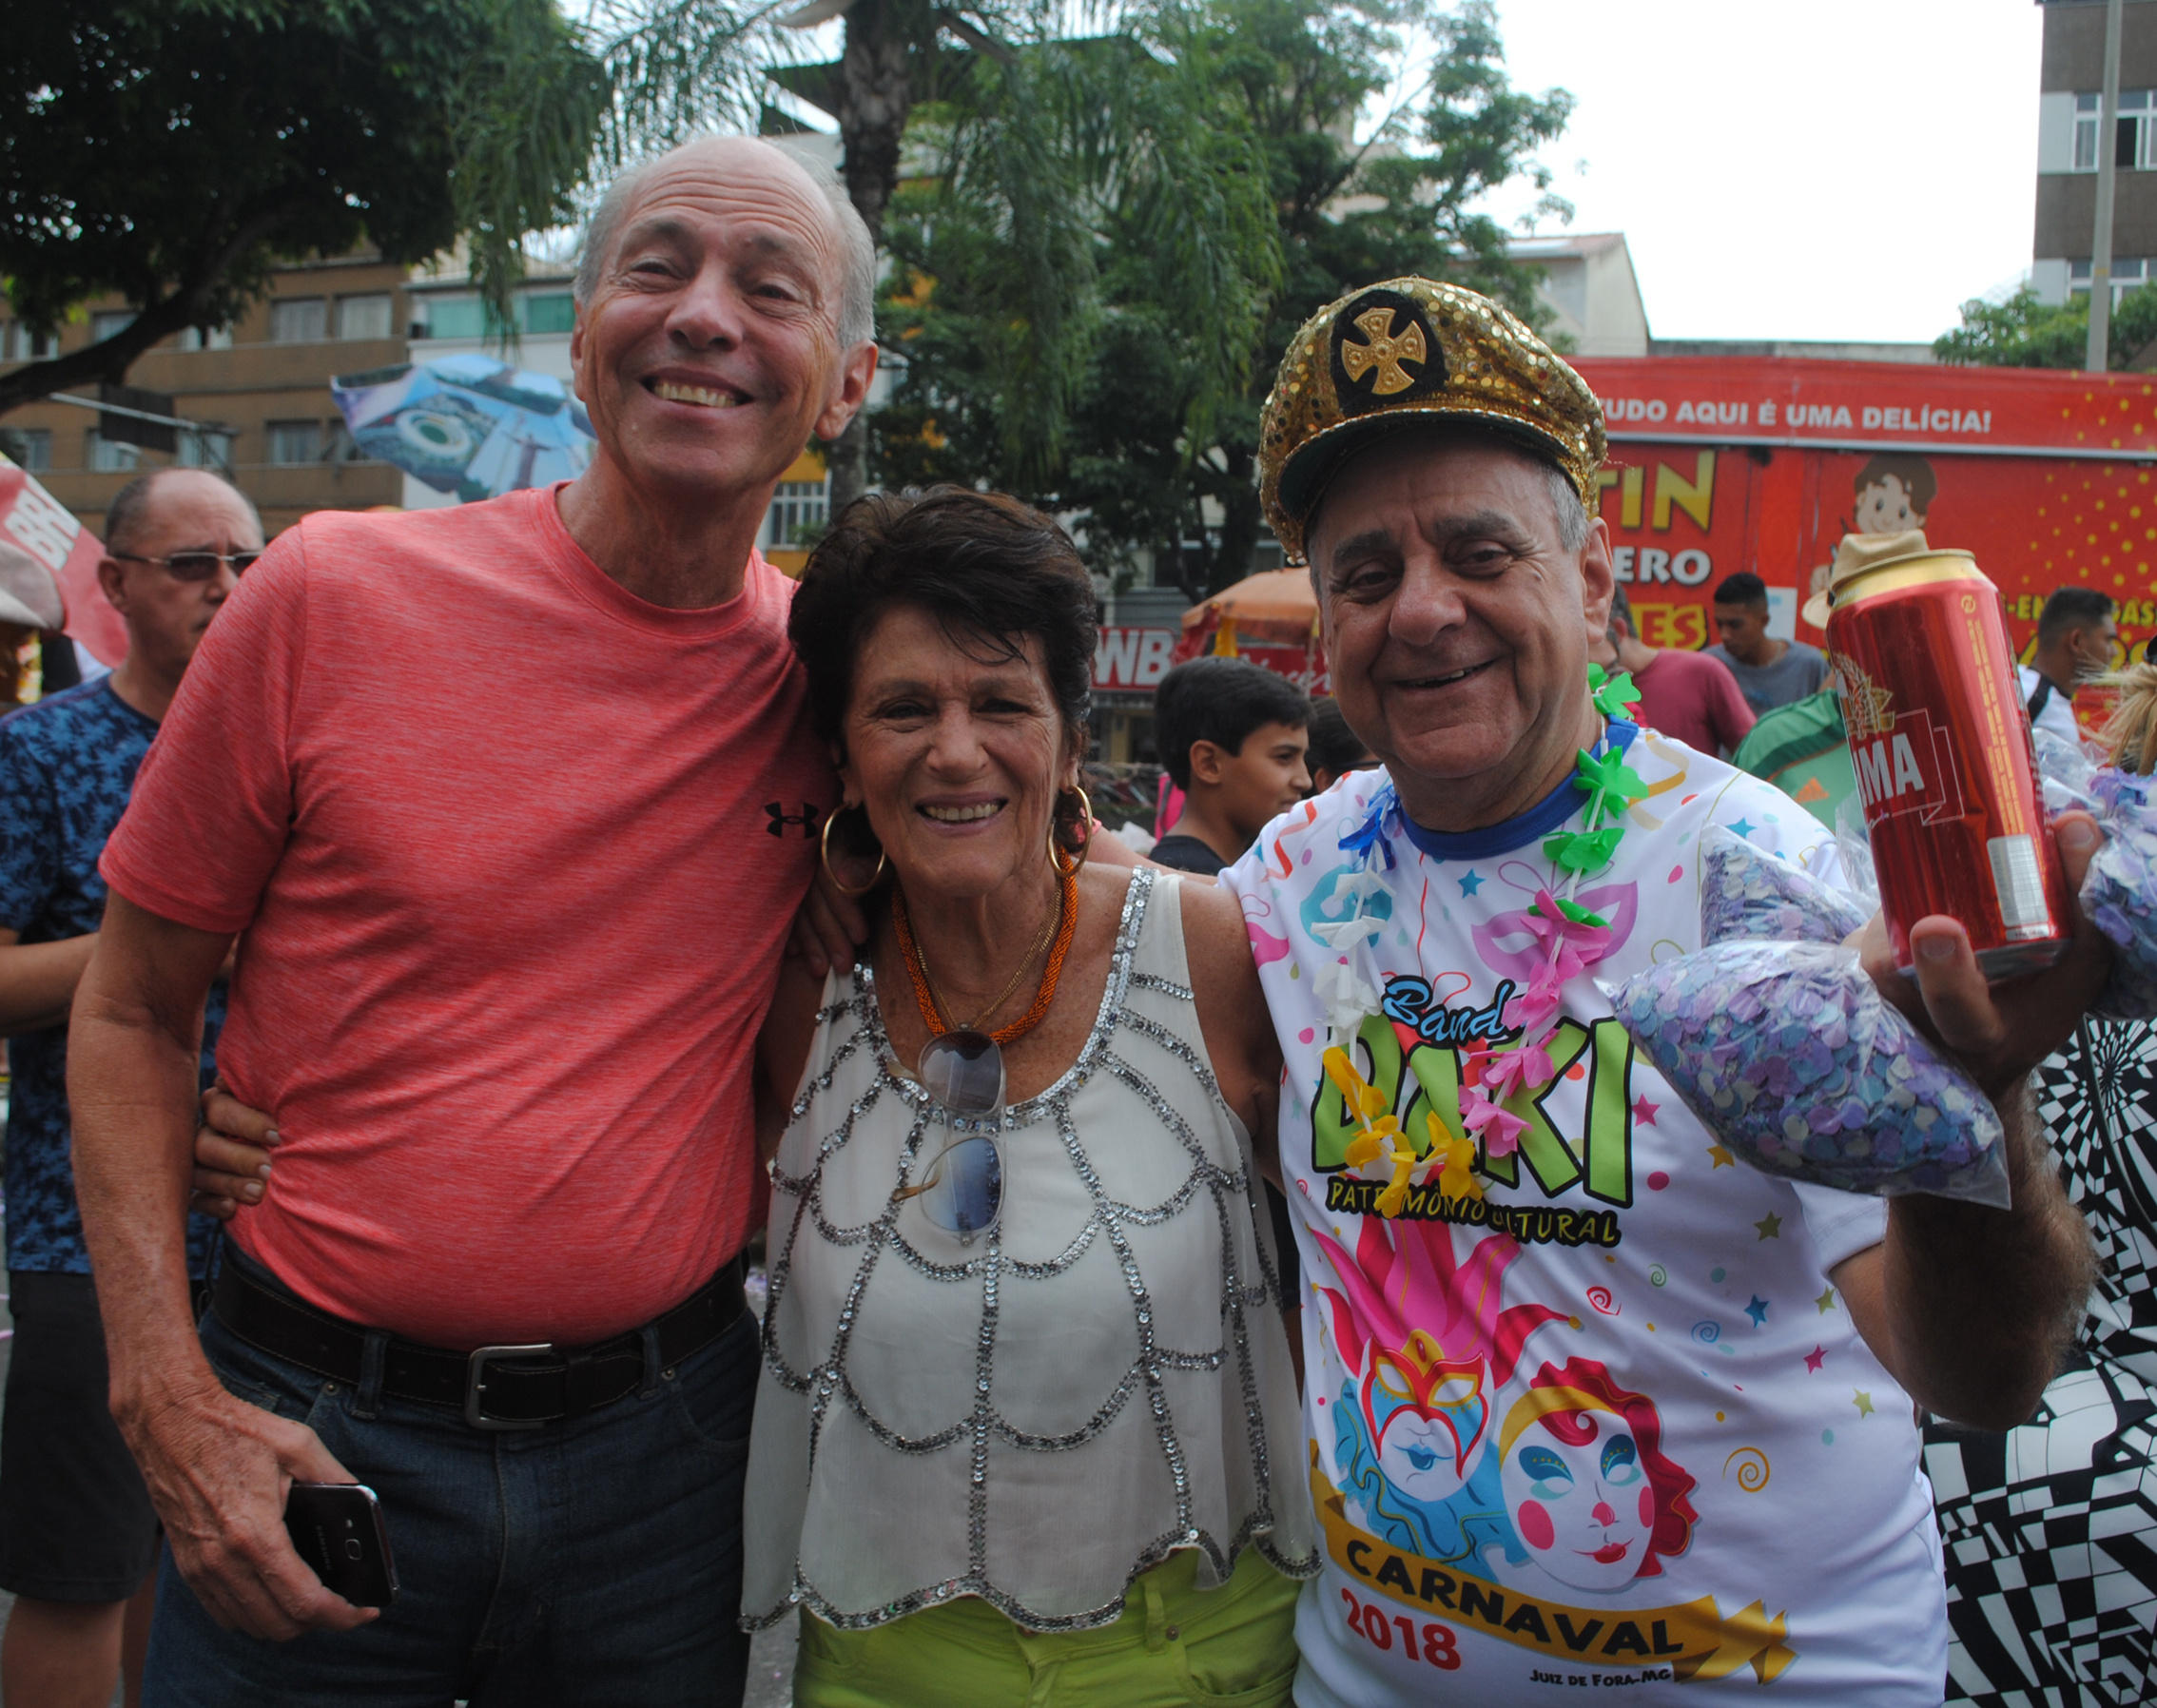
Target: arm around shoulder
<point>1232,1016</point>
<point>782,1049</point>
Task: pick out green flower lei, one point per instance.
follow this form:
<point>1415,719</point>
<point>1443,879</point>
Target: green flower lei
<point>1607,780</point>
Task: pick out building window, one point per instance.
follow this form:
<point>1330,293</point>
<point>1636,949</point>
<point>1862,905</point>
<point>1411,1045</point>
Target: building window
<point>2135,144</point>
<point>109,323</point>
<point>2128,273</point>
<point>194,338</point>
<point>340,446</point>
<point>298,320</point>
<point>19,343</point>
<point>363,316</point>
<point>452,316</point>
<point>102,455</point>
<point>537,313</point>
<point>295,441</point>
<point>797,508</point>
<point>206,450</point>
<point>553,312</point>
<point>30,447</point>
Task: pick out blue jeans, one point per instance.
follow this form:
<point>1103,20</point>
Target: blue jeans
<point>597,1560</point>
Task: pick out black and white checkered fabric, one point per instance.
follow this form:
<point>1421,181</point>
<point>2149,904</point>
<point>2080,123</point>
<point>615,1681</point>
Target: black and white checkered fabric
<point>2050,1530</point>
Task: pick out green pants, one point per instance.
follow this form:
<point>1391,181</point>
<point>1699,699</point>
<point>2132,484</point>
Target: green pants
<point>1175,1645</point>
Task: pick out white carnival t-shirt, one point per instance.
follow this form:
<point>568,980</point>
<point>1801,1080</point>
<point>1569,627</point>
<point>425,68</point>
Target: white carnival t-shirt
<point>1592,1415</point>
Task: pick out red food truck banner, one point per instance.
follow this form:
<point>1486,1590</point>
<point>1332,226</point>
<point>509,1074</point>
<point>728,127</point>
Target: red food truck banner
<point>1781,401</point>
<point>2050,479</point>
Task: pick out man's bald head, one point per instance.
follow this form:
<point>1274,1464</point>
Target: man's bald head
<point>135,507</point>
<point>731,156</point>
<point>166,516</point>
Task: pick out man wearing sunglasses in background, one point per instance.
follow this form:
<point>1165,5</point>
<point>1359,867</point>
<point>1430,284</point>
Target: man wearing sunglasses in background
<point>77,1534</point>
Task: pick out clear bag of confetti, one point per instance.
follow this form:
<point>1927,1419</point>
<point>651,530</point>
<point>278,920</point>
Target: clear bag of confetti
<point>1745,893</point>
<point>2119,893</point>
<point>1790,1056</point>
<point>1856,850</point>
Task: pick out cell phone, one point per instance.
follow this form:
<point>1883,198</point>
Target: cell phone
<point>338,1529</point>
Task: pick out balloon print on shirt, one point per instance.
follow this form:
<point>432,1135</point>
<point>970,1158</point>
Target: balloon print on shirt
<point>1326,906</point>
<point>1512,948</point>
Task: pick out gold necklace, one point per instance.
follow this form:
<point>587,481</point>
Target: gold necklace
<point>1003,995</point>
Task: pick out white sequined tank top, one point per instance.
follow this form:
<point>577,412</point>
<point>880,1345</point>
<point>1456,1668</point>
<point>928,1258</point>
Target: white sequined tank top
<point>1099,1380</point>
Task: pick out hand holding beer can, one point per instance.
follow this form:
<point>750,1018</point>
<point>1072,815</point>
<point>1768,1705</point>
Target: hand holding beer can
<point>1940,742</point>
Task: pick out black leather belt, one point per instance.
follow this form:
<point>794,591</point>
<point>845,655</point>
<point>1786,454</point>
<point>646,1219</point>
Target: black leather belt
<point>495,1387</point>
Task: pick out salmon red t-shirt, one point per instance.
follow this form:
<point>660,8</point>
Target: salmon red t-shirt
<point>515,854</point>
<point>1691,696</point>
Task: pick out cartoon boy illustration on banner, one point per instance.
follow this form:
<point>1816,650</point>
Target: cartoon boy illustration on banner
<point>1895,491</point>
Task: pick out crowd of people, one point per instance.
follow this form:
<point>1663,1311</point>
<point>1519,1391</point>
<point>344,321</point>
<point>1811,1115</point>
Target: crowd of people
<point>664,900</point>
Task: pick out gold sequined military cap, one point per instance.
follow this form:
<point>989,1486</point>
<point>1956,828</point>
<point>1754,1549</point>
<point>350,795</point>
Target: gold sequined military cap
<point>1408,350</point>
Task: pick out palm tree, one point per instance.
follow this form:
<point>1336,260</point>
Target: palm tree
<point>1154,441</point>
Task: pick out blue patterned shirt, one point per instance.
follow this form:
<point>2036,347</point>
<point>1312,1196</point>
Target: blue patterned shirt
<point>66,766</point>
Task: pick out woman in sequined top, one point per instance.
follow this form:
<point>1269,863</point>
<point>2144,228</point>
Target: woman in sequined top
<point>1065,1451</point>
<point>1058,1459</point>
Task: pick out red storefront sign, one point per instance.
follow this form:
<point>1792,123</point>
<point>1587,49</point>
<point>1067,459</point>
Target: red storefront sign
<point>1133,659</point>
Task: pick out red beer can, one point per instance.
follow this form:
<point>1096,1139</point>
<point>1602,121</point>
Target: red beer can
<point>1946,770</point>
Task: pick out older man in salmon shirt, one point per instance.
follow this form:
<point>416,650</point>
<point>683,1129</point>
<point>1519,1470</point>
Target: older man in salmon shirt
<point>513,919</point>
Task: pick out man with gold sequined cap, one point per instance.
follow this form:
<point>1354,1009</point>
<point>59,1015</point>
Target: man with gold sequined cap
<point>1589,1401</point>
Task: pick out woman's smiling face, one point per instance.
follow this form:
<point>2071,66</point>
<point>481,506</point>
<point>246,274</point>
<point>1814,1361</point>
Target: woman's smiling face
<point>1586,1511</point>
<point>958,751</point>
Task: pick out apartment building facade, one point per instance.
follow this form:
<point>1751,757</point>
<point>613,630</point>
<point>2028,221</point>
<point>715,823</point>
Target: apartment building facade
<point>262,388</point>
<point>2070,87</point>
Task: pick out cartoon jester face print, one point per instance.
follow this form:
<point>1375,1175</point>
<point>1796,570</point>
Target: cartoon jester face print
<point>1587,1485</point>
<point>1428,1414</point>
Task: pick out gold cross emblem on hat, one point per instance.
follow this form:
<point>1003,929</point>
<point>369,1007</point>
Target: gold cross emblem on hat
<point>1384,352</point>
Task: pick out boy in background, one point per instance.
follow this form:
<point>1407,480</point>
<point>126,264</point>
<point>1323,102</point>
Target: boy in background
<point>1234,738</point>
<point>2077,632</point>
<point>1335,749</point>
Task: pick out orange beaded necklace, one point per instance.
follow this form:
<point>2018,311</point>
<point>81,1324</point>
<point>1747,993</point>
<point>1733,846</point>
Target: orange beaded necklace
<point>924,996</point>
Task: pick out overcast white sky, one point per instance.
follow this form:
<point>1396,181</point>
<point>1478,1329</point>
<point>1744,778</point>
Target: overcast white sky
<point>1833,169</point>
<point>1824,169</point>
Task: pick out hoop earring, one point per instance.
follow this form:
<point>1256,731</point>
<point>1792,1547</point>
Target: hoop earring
<point>837,884</point>
<point>1086,818</point>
